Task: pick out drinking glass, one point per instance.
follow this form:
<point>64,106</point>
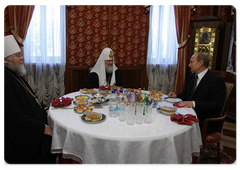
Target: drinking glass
<point>122,112</point>
<point>130,114</point>
<point>139,113</point>
<point>148,113</point>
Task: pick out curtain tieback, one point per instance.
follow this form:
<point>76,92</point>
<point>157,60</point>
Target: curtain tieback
<point>182,44</point>
<point>235,43</point>
<point>19,39</point>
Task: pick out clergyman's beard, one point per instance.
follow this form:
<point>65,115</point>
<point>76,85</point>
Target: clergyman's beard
<point>19,70</point>
<point>109,69</point>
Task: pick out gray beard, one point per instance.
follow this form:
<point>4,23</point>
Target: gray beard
<point>19,70</point>
<point>109,69</point>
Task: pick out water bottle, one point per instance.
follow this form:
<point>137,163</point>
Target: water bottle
<point>113,101</point>
<point>121,106</point>
<point>139,96</point>
<point>131,97</point>
<point>120,98</point>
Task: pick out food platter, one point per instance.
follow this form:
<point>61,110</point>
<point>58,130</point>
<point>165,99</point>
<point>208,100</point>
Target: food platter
<point>86,120</point>
<point>80,101</point>
<point>158,93</point>
<point>103,93</point>
<point>156,97</point>
<point>83,108</point>
<point>86,91</point>
<point>172,99</point>
<point>94,101</point>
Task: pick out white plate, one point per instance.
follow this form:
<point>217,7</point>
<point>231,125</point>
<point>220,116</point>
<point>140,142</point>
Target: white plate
<point>172,100</point>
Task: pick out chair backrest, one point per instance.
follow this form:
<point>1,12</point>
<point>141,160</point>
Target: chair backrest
<point>229,90</point>
<point>91,65</point>
<point>230,82</point>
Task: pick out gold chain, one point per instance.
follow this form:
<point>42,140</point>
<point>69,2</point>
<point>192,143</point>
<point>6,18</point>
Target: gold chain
<point>26,88</point>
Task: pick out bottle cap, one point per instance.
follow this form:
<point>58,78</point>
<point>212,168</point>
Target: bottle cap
<point>132,90</point>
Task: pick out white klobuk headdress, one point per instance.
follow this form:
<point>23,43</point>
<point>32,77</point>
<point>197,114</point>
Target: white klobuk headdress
<point>10,46</point>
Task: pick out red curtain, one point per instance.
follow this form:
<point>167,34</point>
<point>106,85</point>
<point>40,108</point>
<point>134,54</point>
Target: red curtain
<point>182,20</point>
<point>19,20</point>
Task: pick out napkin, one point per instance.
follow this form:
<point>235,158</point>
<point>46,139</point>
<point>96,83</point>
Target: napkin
<point>177,105</point>
<point>62,102</point>
<point>104,87</point>
<point>182,120</point>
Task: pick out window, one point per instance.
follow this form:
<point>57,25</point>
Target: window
<point>162,45</point>
<point>45,41</point>
<point>45,52</point>
<point>162,49</point>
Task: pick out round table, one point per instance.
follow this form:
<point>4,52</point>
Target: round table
<point>113,141</point>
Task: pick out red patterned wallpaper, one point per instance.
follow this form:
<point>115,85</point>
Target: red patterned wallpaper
<point>129,35</point>
<point>92,28</point>
<point>87,33</point>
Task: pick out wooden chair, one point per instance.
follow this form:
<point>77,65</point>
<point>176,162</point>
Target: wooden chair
<point>230,81</point>
<point>91,65</point>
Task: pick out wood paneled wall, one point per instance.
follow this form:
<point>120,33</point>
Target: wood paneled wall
<point>133,77</point>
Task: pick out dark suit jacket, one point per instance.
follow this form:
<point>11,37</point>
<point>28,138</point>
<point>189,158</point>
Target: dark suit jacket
<point>209,97</point>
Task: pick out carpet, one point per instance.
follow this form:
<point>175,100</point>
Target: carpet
<point>211,150</point>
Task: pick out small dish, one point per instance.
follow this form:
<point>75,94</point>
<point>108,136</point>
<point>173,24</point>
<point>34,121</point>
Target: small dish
<point>167,110</point>
<point>82,96</point>
<point>94,117</point>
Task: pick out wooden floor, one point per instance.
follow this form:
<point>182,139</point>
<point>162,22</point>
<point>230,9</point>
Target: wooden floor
<point>228,141</point>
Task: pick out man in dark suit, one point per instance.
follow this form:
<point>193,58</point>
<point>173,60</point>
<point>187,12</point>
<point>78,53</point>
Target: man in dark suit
<point>204,91</point>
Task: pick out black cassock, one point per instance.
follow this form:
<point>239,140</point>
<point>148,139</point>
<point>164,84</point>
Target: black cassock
<point>25,119</point>
<point>93,80</point>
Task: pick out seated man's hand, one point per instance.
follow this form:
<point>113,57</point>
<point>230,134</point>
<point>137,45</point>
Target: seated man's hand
<point>186,104</point>
<point>48,130</point>
<point>171,94</point>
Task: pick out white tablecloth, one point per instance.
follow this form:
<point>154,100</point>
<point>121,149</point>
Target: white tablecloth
<point>112,141</point>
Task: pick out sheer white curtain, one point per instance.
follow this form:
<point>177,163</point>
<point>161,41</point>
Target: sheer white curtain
<point>45,52</point>
<point>162,49</point>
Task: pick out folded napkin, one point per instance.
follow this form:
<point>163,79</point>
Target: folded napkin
<point>104,87</point>
<point>177,105</point>
<point>62,102</point>
<point>187,119</point>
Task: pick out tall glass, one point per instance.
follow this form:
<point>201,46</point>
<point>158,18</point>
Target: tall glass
<point>130,114</point>
<point>139,113</point>
<point>122,112</point>
<point>148,114</point>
